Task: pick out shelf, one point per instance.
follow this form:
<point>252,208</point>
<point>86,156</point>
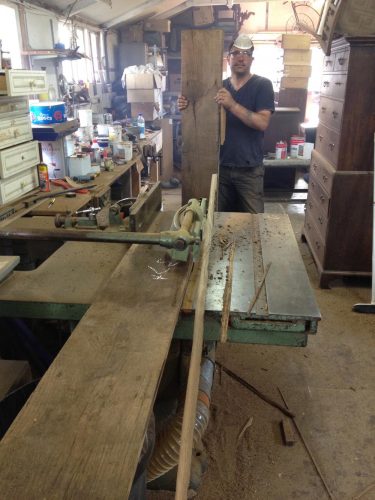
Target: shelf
<point>55,54</point>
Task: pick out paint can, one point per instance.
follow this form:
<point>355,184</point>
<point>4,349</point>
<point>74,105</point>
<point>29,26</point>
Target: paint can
<point>295,142</point>
<point>124,150</point>
<point>281,148</point>
<point>44,183</point>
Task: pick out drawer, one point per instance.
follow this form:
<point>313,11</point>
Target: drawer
<point>321,197</point>
<point>316,242</point>
<point>317,214</point>
<point>334,85</point>
<point>341,61</point>
<point>322,171</point>
<point>330,112</point>
<point>18,185</point>
<point>13,106</point>
<point>18,158</point>
<point>17,82</point>
<point>329,63</point>
<point>327,143</point>
<point>15,130</point>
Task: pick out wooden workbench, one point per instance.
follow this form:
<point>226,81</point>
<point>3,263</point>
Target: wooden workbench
<point>103,181</point>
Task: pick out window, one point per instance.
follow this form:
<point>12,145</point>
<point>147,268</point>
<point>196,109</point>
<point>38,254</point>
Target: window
<point>9,34</point>
<point>86,42</point>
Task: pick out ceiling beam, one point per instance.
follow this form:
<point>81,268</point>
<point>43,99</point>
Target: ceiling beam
<point>168,13</point>
<point>139,11</point>
<point>78,6</point>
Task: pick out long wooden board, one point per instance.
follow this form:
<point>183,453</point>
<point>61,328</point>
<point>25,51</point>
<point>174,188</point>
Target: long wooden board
<point>81,432</point>
<point>201,67</point>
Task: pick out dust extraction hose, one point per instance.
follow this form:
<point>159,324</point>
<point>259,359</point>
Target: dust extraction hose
<point>168,441</point>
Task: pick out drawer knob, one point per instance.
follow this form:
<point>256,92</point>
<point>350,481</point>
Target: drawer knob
<point>322,199</point>
<point>317,244</point>
<point>335,114</point>
<point>324,109</point>
<point>310,205</point>
<point>326,84</point>
<point>338,83</point>
<point>331,146</point>
<point>328,62</point>
<point>342,60</point>
<point>22,184</point>
<point>315,166</point>
<point>320,219</point>
<point>320,137</point>
<point>22,157</point>
<point>325,178</point>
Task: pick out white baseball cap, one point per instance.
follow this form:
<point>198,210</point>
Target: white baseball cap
<point>243,42</point>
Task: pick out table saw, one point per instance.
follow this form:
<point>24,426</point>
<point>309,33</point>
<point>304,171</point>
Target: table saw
<point>82,430</point>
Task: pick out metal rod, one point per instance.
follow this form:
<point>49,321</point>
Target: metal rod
<point>167,239</point>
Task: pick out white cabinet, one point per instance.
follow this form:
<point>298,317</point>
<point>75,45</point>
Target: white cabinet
<point>18,185</point>
<point>18,82</point>
<point>15,130</point>
<point>18,158</point>
<point>12,106</point>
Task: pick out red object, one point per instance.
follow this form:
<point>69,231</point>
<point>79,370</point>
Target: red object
<point>281,149</point>
<point>66,185</point>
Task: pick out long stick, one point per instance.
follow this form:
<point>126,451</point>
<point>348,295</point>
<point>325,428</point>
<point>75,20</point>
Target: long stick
<point>184,464</point>
<point>255,298</point>
<point>255,390</point>
<point>317,468</point>
<point>227,295</point>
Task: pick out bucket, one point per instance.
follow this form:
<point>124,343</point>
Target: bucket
<point>124,150</point>
<point>115,133</point>
<point>295,141</point>
<point>45,112</point>
<point>281,148</point>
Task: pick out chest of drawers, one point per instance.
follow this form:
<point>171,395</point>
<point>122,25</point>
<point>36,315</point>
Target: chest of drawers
<point>19,154</point>
<point>338,222</point>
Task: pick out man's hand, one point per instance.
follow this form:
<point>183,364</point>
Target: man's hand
<point>182,103</point>
<point>224,98</point>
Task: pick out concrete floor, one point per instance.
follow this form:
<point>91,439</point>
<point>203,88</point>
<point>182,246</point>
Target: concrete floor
<point>329,385</point>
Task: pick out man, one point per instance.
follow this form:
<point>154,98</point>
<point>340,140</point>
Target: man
<point>249,103</point>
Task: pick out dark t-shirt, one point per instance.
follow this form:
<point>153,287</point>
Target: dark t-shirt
<point>243,146</point>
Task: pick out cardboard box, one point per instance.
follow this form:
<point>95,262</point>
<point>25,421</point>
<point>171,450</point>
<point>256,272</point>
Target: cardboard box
<point>148,110</point>
<point>174,82</point>
<point>297,71</point>
<point>203,16</point>
<point>144,81</point>
<point>143,95</point>
<point>293,83</point>
<point>134,33</point>
<point>297,57</point>
<point>225,14</point>
<point>163,25</point>
<point>296,42</point>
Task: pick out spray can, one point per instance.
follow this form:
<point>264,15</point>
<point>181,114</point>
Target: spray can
<point>281,150</point>
<point>44,183</point>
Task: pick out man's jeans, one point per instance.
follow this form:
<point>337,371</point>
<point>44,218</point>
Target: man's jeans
<point>241,189</point>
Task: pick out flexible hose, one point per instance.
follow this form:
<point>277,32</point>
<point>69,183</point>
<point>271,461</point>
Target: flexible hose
<point>168,441</point>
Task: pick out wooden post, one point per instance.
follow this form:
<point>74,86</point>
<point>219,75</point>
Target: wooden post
<point>201,65</point>
<point>184,464</point>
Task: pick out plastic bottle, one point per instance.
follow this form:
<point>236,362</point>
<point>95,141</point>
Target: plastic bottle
<point>142,126</point>
<point>96,151</point>
<point>52,93</point>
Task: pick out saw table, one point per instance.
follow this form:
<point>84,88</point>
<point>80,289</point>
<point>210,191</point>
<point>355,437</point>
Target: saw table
<point>64,286</point>
<point>81,432</point>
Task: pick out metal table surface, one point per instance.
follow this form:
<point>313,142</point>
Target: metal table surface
<point>64,286</point>
<point>286,310</point>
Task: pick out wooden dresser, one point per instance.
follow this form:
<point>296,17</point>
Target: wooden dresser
<point>338,221</point>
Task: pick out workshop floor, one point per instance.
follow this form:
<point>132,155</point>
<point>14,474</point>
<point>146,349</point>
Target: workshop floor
<point>329,385</point>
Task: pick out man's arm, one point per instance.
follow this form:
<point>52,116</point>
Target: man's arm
<point>258,120</point>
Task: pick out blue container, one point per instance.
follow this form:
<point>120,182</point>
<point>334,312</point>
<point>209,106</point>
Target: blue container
<point>46,113</point>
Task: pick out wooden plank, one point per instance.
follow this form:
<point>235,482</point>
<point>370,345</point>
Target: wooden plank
<point>167,160</point>
<point>190,408</point>
<point>81,432</point>
<point>201,68</point>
